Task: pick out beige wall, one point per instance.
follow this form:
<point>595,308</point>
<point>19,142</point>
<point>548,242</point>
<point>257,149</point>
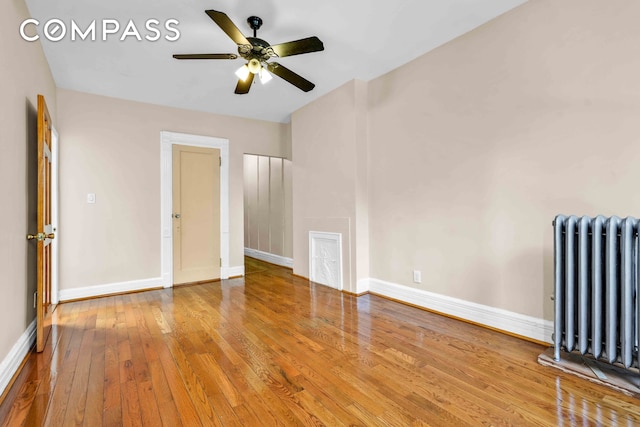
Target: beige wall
<point>328,138</point>
<point>267,204</point>
<point>111,147</point>
<point>476,146</point>
<point>454,164</point>
<point>473,148</point>
<point>24,73</point>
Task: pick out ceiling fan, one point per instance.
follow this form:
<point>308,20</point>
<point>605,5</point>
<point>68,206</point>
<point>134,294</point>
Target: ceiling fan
<point>257,52</point>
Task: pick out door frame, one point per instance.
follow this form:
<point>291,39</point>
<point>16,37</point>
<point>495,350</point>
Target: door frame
<point>55,272</point>
<point>167,140</point>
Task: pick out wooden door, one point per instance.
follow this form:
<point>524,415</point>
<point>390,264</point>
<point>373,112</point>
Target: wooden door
<point>44,234</point>
<point>196,214</point>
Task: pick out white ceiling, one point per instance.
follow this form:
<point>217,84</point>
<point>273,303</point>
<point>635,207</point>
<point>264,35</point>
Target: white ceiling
<point>362,40</point>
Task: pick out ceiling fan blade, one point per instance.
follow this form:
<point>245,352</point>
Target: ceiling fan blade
<point>243,86</point>
<point>206,56</point>
<point>228,27</point>
<point>293,78</point>
<point>310,44</point>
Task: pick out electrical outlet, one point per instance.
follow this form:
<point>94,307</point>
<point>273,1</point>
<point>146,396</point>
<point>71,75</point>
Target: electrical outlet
<point>91,198</point>
<point>417,276</point>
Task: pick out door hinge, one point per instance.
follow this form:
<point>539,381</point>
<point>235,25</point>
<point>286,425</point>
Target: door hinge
<point>220,158</point>
<point>220,262</point>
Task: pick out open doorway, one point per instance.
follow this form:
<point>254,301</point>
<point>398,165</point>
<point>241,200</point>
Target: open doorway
<point>268,210</point>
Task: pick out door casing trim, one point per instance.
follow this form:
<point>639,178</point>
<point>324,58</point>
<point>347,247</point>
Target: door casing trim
<point>167,140</point>
<point>55,219</point>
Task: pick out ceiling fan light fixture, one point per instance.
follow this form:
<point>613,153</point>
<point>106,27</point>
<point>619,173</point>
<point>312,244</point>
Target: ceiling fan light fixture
<point>265,76</point>
<point>243,72</point>
<point>254,66</point>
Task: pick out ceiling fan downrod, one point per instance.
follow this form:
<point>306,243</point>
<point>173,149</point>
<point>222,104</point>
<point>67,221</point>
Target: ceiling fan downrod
<point>255,22</point>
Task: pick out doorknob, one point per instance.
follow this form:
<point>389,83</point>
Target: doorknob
<point>40,236</point>
<point>176,216</point>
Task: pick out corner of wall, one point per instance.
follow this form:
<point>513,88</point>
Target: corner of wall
<point>286,141</point>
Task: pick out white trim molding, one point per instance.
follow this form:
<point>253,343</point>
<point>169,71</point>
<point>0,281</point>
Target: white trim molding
<point>268,257</point>
<point>55,204</point>
<point>363,286</point>
<point>515,323</point>
<point>11,363</point>
<point>110,289</point>
<point>167,140</point>
<point>231,272</point>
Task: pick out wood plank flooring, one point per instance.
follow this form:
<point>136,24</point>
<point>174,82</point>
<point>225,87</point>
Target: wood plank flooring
<point>271,349</point>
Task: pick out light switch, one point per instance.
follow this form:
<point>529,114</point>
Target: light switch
<point>91,198</point>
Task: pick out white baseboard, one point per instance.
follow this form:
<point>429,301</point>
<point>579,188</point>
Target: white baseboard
<point>267,257</point>
<point>19,351</point>
<point>131,286</point>
<point>363,286</point>
<point>236,271</point>
<point>109,289</point>
<point>519,324</point>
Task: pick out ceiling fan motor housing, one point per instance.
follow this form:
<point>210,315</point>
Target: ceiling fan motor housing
<point>258,49</point>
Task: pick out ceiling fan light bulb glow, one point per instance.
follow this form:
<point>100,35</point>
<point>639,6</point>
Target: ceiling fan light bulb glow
<point>265,76</point>
<point>242,72</point>
<point>254,66</point>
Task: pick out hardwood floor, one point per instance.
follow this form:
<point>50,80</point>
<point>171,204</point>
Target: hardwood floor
<point>271,349</point>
